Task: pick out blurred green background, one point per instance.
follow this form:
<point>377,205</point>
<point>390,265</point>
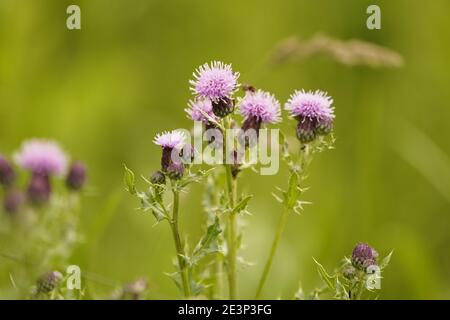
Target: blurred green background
<point>106,90</point>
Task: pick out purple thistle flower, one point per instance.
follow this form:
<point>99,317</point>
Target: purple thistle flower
<point>77,176</point>
<point>314,112</point>
<point>42,157</point>
<point>7,174</point>
<point>260,105</point>
<point>214,81</point>
<point>364,256</point>
<point>313,105</point>
<point>198,110</point>
<point>170,141</point>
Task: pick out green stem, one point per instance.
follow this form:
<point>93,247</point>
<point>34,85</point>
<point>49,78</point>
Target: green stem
<point>178,244</point>
<point>232,235</point>
<point>276,240</point>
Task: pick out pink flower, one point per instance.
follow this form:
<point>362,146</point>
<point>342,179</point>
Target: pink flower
<point>214,81</point>
<point>43,157</point>
<point>260,105</point>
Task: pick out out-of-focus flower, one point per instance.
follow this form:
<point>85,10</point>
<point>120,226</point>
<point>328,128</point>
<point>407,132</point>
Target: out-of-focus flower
<point>7,173</point>
<point>42,157</point>
<point>13,201</point>
<point>49,282</point>
<point>77,176</point>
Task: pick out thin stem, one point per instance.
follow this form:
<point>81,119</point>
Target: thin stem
<point>276,240</point>
<point>178,245</point>
<point>232,235</point>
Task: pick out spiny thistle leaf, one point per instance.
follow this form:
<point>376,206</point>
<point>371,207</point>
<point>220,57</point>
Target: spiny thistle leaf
<point>329,280</point>
<point>385,262</point>
<point>208,243</point>
<point>129,180</point>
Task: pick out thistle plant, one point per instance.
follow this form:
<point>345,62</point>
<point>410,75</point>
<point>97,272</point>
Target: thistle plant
<point>358,277</point>
<point>39,225</point>
<point>231,118</point>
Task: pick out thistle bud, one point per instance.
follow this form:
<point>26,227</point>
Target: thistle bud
<point>76,177</point>
<point>13,201</point>
<point>324,126</point>
<point>175,170</point>
<point>49,282</point>
<point>349,272</point>
<point>364,256</point>
<point>158,178</point>
<point>7,174</point>
<point>39,189</point>
<point>223,107</point>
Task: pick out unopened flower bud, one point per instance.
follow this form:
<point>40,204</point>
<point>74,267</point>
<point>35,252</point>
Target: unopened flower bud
<point>7,174</point>
<point>77,176</point>
<point>13,201</point>
<point>175,170</point>
<point>223,107</point>
<point>364,256</point>
<point>39,189</point>
<point>49,282</point>
<point>349,272</point>
<point>324,126</point>
<point>158,178</point>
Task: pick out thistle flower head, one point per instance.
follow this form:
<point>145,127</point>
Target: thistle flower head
<point>260,105</point>
<point>316,105</point>
<point>49,281</point>
<point>214,81</point>
<point>7,174</point>
<point>42,157</point>
<point>364,256</point>
<point>201,110</point>
<point>170,140</point>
